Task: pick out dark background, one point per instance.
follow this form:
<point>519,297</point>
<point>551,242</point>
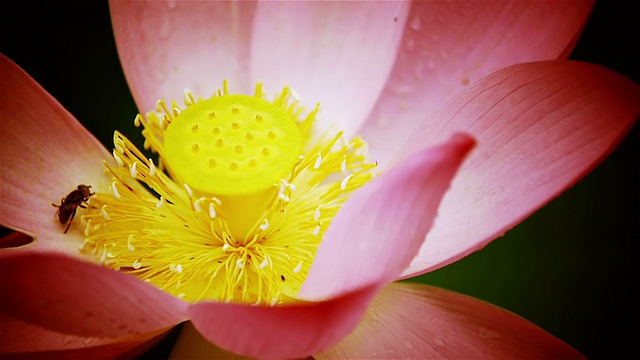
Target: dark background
<point>568,268</point>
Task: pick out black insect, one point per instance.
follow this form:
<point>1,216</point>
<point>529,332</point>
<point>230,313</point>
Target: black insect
<point>69,204</point>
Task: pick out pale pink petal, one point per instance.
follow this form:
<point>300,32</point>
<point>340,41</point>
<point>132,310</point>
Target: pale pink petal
<point>336,53</point>
<point>449,45</point>
<point>413,321</point>
<point>22,340</point>
<point>168,46</point>
<point>44,153</point>
<point>65,295</point>
<point>379,230</point>
<point>540,127</point>
<point>281,332</point>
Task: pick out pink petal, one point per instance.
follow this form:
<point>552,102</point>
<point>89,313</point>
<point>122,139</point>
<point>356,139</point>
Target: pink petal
<point>45,153</point>
<point>540,127</point>
<point>286,332</point>
<point>336,53</point>
<point>413,321</point>
<point>65,295</point>
<point>448,45</point>
<point>167,47</point>
<point>379,230</point>
<point>22,340</point>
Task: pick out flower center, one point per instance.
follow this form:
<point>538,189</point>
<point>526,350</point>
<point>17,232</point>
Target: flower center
<point>238,204</point>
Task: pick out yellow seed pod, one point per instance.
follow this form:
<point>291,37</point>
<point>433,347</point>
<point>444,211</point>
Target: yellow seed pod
<point>232,145</point>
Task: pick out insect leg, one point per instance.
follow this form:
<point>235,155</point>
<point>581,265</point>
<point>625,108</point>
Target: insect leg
<point>73,214</point>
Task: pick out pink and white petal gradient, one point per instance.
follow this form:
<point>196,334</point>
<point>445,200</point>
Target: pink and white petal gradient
<point>62,294</point>
<point>540,127</point>
<point>337,53</point>
<point>414,321</point>
<point>45,153</point>
<point>448,45</point>
<point>166,47</point>
<point>20,340</point>
<point>369,243</point>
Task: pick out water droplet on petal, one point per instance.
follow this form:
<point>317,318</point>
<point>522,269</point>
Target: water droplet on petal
<point>416,23</point>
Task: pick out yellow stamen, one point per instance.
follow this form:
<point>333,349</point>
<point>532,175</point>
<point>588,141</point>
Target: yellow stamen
<point>218,225</point>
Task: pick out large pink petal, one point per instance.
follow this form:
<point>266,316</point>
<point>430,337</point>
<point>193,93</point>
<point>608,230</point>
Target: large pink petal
<point>412,321</point>
<point>336,53</point>
<point>168,46</point>
<point>20,340</point>
<point>65,295</point>
<point>540,127</point>
<point>379,230</point>
<point>448,45</point>
<point>281,332</point>
<point>44,153</point>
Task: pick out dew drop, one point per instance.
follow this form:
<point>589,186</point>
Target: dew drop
<point>416,23</point>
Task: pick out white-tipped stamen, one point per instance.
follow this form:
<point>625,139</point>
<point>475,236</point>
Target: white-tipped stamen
<point>118,159</point>
<point>297,268</point>
<point>265,225</point>
<point>103,212</point>
<point>316,230</point>
<point>225,247</point>
<point>136,121</point>
<point>160,203</point>
<point>316,214</point>
<point>239,264</point>
<point>196,204</point>
<point>188,189</point>
<point>343,164</point>
<point>264,263</point>
<point>114,189</point>
<point>318,162</point>
<point>129,246</point>
<point>133,170</point>
<point>345,181</point>
<point>136,265</point>
<point>212,211</point>
<point>152,168</point>
<point>87,229</point>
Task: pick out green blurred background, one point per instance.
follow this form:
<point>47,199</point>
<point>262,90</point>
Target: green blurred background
<point>568,268</point>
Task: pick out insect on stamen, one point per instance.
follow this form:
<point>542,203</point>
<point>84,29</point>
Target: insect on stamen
<point>69,204</point>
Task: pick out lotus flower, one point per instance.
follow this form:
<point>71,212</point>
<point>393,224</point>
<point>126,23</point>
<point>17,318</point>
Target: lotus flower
<point>422,84</point>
